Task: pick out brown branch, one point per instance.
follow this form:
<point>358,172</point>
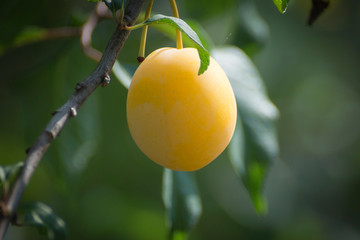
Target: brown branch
<point>86,33</point>
<point>68,110</point>
<point>61,32</point>
<point>101,12</point>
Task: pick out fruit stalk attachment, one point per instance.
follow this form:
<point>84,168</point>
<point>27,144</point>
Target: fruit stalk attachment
<point>179,43</point>
<point>141,56</point>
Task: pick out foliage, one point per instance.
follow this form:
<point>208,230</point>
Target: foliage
<point>42,217</point>
<point>281,5</point>
<point>87,175</point>
<point>113,5</point>
<point>6,172</point>
<point>182,202</point>
<point>254,147</point>
<point>185,28</point>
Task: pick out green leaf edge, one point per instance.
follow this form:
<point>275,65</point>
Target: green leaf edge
<point>38,208</point>
<point>188,31</point>
<point>169,183</point>
<point>8,171</point>
<point>281,5</point>
<point>246,172</point>
<point>256,193</point>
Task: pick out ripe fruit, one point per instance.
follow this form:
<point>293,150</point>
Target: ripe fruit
<point>180,120</point>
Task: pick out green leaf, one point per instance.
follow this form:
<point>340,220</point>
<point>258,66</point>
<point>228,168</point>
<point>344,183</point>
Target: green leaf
<point>168,31</point>
<point>185,28</point>
<point>121,74</point>
<point>252,32</point>
<point>113,5</point>
<point>9,171</point>
<point>254,145</point>
<point>205,38</point>
<point>281,5</point>
<point>41,216</point>
<point>182,203</point>
<point>28,35</point>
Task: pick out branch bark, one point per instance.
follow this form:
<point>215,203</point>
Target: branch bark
<point>83,90</point>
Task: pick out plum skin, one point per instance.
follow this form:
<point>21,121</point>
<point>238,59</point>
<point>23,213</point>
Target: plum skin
<point>177,118</point>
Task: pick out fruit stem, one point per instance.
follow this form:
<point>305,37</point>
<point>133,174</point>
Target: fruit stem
<point>144,33</point>
<point>179,43</point>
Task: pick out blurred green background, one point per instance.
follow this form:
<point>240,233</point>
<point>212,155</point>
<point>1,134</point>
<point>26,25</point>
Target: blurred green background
<point>100,183</point>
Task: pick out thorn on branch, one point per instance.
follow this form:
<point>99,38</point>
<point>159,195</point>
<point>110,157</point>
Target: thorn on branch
<point>79,86</point>
<point>54,112</point>
<point>73,112</point>
<point>51,135</point>
<point>27,150</point>
<point>106,80</point>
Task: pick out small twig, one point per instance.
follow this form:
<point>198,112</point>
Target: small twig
<point>101,12</point>
<point>86,33</point>
<point>63,114</point>
<point>61,32</point>
<point>48,34</point>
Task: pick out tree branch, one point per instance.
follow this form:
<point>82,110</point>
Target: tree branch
<point>86,33</point>
<point>83,90</point>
